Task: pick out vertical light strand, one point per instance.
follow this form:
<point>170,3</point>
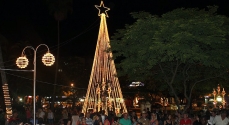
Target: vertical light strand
<point>7,100</point>
<point>103,68</point>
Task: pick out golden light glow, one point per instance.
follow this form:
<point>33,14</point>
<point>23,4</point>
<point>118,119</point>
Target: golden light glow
<point>103,76</point>
<point>22,62</point>
<point>7,101</point>
<point>102,6</point>
<point>219,97</point>
<point>48,59</point>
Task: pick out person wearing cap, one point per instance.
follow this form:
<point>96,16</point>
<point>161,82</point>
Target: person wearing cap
<point>221,119</point>
<point>125,120</point>
<point>144,120</point>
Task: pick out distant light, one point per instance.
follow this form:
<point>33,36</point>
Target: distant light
<point>136,84</point>
<point>219,99</point>
<point>81,100</point>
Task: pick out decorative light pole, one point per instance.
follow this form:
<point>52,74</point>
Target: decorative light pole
<point>223,101</point>
<point>219,97</point>
<point>22,62</point>
<point>214,101</point>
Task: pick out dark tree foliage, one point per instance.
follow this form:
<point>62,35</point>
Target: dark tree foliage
<point>178,50</point>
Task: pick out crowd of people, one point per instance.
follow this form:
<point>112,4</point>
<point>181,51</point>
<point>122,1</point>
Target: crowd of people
<point>75,117</point>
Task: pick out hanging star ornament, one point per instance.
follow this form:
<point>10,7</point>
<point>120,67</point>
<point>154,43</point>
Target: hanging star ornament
<point>102,8</point>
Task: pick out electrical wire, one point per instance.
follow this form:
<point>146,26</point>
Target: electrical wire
<point>61,44</point>
<point>40,81</point>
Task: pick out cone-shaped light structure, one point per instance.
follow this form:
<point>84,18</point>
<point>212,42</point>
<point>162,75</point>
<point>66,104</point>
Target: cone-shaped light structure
<point>104,92</point>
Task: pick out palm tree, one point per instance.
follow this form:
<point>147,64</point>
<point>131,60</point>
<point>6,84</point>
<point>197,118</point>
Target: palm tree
<point>4,80</point>
<point>59,9</point>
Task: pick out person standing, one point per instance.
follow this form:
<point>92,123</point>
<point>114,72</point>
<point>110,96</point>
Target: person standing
<point>185,120</point>
<point>212,117</point>
<point>168,120</point>
<point>14,120</point>
<point>134,120</point>
<point>125,120</point>
<point>40,115</point>
<point>89,121</point>
<point>106,121</point>
<point>153,120</point>
<point>197,121</point>
<point>65,116</point>
<point>204,120</point>
<point>50,117</point>
<point>75,118</point>
<point>28,114</point>
<point>144,120</point>
<point>148,113</point>
<point>221,119</point>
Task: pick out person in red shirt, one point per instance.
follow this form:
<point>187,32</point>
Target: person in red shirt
<point>14,120</point>
<point>185,120</point>
<point>28,114</point>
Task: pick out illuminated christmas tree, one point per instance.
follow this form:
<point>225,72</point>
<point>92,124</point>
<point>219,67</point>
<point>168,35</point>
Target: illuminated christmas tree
<point>104,92</point>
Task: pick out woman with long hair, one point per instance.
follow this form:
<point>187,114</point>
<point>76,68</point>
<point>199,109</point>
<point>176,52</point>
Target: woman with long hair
<point>98,120</point>
<point>153,120</point>
<point>106,121</point>
<point>81,121</point>
<point>168,120</point>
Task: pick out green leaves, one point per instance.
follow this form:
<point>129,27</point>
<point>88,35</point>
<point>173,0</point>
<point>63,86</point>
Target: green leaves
<point>182,42</point>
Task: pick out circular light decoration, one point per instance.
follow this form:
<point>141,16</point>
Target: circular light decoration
<point>22,62</point>
<point>48,59</point>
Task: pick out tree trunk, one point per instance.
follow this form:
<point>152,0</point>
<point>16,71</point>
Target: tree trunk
<point>57,65</point>
<point>177,101</point>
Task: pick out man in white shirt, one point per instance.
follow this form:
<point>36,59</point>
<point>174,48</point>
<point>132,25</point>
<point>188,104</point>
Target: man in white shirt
<point>221,119</point>
<point>41,115</point>
<point>212,117</point>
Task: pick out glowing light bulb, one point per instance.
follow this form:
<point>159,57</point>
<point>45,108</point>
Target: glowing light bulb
<point>48,59</point>
<point>22,62</point>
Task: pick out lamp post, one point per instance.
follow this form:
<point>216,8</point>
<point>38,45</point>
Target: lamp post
<point>22,62</point>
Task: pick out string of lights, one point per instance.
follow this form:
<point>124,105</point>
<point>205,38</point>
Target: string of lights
<point>54,47</point>
<point>104,91</point>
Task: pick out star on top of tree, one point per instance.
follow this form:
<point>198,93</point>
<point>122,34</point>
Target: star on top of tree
<point>102,9</point>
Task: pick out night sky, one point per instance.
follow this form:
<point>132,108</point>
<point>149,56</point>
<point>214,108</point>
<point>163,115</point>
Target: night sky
<point>30,21</point>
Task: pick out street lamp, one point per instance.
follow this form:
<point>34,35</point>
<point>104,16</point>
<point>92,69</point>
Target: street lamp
<point>22,62</point>
<point>72,85</point>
